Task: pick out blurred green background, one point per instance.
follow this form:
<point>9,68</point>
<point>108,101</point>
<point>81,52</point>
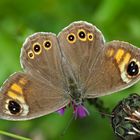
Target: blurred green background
<point>117,19</point>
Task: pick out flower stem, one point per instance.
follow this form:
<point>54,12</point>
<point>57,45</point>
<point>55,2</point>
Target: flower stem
<point>13,135</point>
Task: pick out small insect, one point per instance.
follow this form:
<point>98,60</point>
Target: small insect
<point>67,69</point>
<point>126,118</point>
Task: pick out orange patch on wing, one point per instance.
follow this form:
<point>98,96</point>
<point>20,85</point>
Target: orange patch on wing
<point>22,81</point>
<point>17,88</point>
<point>119,55</point>
<point>110,52</point>
<point>12,94</point>
<point>122,65</point>
<point>15,96</point>
<point>126,58</point>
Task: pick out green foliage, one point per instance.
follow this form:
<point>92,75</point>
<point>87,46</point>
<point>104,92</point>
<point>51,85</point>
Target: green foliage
<point>118,19</point>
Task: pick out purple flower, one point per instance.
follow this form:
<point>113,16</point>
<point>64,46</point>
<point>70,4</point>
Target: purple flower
<point>61,111</point>
<point>80,111</point>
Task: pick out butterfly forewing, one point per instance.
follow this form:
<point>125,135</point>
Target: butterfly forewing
<point>80,43</point>
<point>40,56</point>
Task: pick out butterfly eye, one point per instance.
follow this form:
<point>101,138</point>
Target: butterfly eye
<point>14,107</point>
<point>31,55</point>
<point>132,68</point>
<point>37,48</point>
<point>71,38</point>
<point>90,36</point>
<point>82,35</point>
<point>47,44</point>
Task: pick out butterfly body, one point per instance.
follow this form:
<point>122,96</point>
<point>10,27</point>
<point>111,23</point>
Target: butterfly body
<point>75,93</point>
<point>71,67</point>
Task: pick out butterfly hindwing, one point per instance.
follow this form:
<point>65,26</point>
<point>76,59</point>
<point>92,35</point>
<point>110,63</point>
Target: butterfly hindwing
<point>117,67</point>
<point>24,97</point>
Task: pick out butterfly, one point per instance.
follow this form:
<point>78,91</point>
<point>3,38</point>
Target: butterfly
<point>68,68</point>
<point>126,118</point>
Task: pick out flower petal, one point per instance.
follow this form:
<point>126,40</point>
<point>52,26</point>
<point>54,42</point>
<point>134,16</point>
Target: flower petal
<point>61,111</point>
<point>80,111</point>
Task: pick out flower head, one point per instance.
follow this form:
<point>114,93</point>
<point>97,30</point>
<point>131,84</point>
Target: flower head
<point>80,111</point>
<point>61,111</point>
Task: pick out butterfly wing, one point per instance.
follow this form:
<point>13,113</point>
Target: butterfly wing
<point>44,91</point>
<point>117,67</point>
<point>81,44</point>
<point>41,57</point>
<point>24,97</point>
<point>100,68</point>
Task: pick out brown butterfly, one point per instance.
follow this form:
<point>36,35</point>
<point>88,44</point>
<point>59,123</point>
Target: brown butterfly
<point>68,68</point>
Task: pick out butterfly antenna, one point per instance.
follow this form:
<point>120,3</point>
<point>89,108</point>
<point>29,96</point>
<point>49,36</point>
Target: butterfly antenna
<point>67,126</point>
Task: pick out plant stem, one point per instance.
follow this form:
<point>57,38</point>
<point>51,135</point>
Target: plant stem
<point>13,135</point>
